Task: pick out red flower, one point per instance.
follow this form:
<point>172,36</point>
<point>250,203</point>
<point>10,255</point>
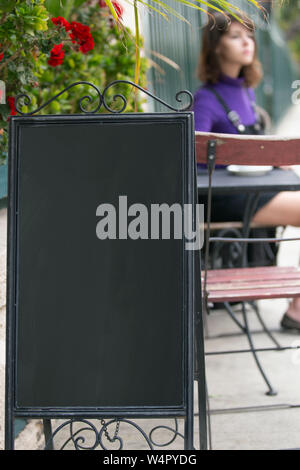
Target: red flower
<point>11,103</point>
<point>81,35</point>
<point>62,22</point>
<point>1,56</point>
<point>119,9</point>
<point>56,55</point>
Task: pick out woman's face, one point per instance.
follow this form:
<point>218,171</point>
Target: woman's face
<point>237,45</point>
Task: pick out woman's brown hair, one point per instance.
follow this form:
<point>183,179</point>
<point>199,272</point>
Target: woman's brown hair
<point>209,67</point>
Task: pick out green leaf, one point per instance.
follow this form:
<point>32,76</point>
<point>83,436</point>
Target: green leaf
<point>78,3</point>
<point>29,31</point>
<point>55,106</point>
<point>62,7</point>
<point>71,63</point>
<point>54,7</point>
<point>4,111</point>
<point>7,5</point>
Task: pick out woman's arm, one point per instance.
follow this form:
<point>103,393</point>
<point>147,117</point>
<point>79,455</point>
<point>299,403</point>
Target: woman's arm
<point>204,110</point>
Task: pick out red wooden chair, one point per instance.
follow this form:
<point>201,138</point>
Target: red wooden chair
<point>247,284</point>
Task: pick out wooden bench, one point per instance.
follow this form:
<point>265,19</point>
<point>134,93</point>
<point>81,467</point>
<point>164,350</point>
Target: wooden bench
<point>248,284</point>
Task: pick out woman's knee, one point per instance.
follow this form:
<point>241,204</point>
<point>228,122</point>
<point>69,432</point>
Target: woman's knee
<point>283,209</point>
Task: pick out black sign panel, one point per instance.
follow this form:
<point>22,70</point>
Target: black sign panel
<point>100,301</point>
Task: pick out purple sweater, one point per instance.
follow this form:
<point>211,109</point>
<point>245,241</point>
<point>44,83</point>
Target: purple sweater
<point>210,115</point>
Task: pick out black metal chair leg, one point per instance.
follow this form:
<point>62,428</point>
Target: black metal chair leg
<point>232,316</point>
<point>264,326</point>
<point>271,390</point>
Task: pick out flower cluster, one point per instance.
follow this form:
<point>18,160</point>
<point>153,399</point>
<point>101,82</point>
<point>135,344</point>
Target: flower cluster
<point>79,33</point>
<point>62,22</point>
<point>56,55</point>
<point>11,103</point>
<point>1,56</point>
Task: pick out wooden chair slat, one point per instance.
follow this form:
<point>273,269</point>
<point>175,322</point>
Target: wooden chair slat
<point>244,284</point>
<point>251,278</point>
<point>254,285</point>
<point>268,272</point>
<point>253,294</point>
<point>249,149</point>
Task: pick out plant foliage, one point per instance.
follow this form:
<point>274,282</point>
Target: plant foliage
<point>41,54</point>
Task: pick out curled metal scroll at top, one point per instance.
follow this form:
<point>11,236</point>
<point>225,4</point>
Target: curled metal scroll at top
<point>27,101</point>
<point>101,99</point>
<point>118,96</point>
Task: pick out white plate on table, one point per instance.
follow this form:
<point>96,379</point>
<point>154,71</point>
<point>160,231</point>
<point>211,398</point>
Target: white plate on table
<point>249,170</point>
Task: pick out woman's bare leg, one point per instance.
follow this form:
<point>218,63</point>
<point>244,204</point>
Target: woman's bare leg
<point>283,209</point>
<point>293,310</point>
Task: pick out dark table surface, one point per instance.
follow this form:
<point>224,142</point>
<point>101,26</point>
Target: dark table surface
<point>225,182</point>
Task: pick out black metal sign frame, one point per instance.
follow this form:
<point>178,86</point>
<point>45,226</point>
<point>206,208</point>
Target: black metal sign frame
<point>189,263</point>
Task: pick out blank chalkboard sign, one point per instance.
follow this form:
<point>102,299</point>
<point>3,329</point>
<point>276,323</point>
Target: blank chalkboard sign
<point>100,296</point>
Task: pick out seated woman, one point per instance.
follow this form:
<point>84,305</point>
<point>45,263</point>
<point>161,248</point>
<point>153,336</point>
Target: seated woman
<point>229,69</point>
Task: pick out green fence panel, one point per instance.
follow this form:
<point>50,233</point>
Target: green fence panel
<point>181,43</point>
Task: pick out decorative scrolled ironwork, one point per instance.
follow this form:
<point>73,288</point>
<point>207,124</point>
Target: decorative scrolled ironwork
<point>73,435</point>
<point>27,100</point>
<point>101,97</point>
<point>175,432</point>
<point>159,100</point>
<point>77,437</point>
<point>130,423</point>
